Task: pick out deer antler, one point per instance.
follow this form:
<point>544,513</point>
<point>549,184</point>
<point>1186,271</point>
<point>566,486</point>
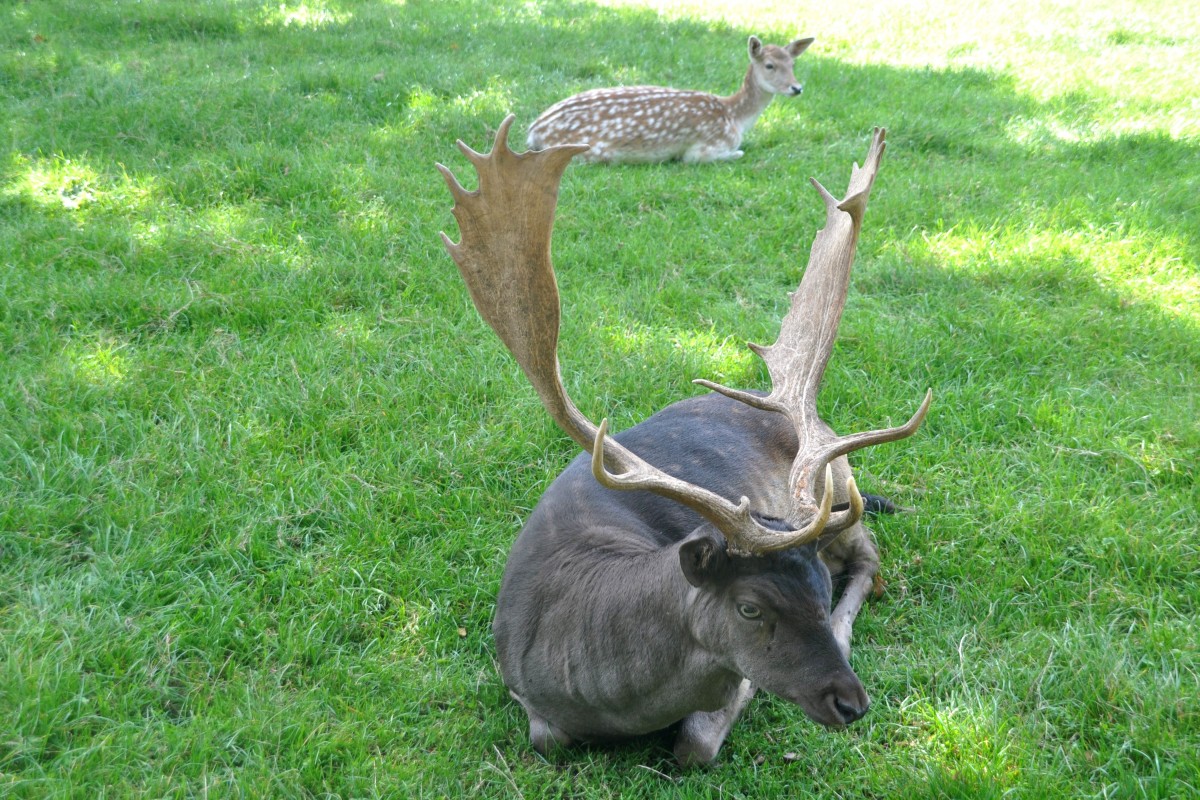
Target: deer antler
<point>797,360</point>
<point>504,258</point>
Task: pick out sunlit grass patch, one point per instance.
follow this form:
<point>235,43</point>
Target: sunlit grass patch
<point>424,106</point>
<point>306,15</point>
<point>100,363</point>
<point>963,740</point>
<point>699,353</point>
<point>1138,266</point>
<point>354,329</point>
<point>61,183</point>
<point>491,100</point>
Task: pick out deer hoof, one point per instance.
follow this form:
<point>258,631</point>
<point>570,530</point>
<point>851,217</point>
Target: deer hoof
<point>546,736</point>
<point>691,752</point>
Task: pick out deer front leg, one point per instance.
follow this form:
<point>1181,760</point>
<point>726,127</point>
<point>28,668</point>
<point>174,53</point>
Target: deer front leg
<point>703,732</point>
<point>862,582</point>
<point>861,565</point>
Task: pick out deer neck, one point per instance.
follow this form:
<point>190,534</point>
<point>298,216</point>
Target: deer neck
<point>748,102</point>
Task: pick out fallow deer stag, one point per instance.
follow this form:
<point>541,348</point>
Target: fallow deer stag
<point>654,123</point>
<point>639,594</point>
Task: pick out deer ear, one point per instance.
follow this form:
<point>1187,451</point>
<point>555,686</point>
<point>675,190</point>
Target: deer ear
<point>755,46</point>
<point>703,558</point>
<point>799,46</point>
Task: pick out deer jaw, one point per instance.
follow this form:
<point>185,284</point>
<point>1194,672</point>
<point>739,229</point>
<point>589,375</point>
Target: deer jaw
<point>654,123</point>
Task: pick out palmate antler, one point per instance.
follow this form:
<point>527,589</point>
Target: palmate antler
<point>504,258</point>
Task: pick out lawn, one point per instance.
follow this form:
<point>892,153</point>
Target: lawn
<point>261,462</point>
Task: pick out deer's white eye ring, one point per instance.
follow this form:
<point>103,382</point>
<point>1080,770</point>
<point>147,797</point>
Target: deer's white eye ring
<point>749,611</point>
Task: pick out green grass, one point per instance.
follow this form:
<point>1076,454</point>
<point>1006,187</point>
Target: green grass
<point>261,462</point>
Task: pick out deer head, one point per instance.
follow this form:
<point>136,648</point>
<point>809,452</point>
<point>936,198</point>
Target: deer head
<point>772,66</point>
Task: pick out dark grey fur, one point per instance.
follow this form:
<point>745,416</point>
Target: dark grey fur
<point>619,611</point>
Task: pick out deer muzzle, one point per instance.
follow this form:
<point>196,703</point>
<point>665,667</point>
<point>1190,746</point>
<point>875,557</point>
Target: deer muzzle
<point>842,702</point>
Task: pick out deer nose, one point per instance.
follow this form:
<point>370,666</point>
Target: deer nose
<point>797,89</point>
<point>847,701</point>
<point>849,710</point>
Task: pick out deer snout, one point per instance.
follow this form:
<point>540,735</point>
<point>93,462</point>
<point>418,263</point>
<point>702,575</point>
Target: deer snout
<point>845,701</point>
<point>850,711</point>
<point>796,89</point>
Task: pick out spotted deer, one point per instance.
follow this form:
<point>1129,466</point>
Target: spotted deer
<point>652,123</point>
<point>641,593</point>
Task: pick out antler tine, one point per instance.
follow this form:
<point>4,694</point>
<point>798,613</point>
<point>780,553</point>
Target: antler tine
<point>855,512</point>
<point>637,474</point>
<point>862,178</point>
<point>856,441</point>
<point>796,362</point>
<point>504,258</point>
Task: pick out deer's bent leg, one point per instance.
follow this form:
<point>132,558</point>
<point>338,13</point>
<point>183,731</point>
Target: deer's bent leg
<point>705,152</point>
<point>703,732</point>
<point>861,569</point>
<point>543,733</point>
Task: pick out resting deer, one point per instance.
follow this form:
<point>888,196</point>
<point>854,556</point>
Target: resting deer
<point>652,123</point>
<point>640,594</point>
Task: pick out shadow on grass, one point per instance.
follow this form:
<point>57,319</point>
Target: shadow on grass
<point>206,107</point>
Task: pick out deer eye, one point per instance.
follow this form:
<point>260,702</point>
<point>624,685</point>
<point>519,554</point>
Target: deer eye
<point>770,66</point>
<point>749,611</point>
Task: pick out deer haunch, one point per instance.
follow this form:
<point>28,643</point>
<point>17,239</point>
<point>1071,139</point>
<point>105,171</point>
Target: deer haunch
<point>655,123</point>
